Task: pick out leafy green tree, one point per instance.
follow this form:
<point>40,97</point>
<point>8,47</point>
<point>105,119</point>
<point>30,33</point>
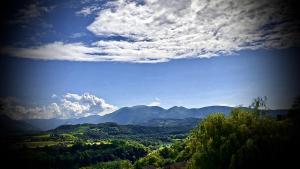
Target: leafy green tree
<point>245,139</point>
<point>152,159</point>
<point>119,164</point>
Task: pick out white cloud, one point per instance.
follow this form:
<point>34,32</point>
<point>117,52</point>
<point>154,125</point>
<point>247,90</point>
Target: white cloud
<point>160,31</point>
<point>156,102</point>
<point>78,35</point>
<point>69,106</point>
<point>188,28</point>
<point>85,105</point>
<point>56,51</point>
<point>85,11</point>
<point>15,109</point>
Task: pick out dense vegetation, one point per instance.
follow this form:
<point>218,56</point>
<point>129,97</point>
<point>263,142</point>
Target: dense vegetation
<point>247,138</point>
<point>103,145</point>
<point>75,156</point>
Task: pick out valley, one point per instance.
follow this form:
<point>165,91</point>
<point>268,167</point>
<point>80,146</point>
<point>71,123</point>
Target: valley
<point>158,142</point>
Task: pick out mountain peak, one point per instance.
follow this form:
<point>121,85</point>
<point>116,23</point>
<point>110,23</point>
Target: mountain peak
<point>177,108</point>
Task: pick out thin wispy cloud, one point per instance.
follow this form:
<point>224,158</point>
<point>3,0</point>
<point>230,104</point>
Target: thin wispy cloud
<point>78,35</point>
<point>31,12</point>
<point>159,31</point>
<point>85,11</point>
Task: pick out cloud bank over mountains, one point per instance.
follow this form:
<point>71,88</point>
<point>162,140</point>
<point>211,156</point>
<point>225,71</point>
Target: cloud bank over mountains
<point>67,106</point>
<point>154,31</point>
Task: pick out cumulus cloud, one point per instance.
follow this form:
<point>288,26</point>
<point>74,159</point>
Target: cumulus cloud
<point>85,105</point>
<point>160,31</point>
<point>69,106</point>
<point>156,102</point>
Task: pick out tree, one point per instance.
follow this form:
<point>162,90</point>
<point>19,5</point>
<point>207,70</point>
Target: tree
<point>245,139</point>
<point>259,105</point>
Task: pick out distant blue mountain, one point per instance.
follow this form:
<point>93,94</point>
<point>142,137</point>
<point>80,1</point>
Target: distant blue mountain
<point>134,115</point>
<point>141,115</point>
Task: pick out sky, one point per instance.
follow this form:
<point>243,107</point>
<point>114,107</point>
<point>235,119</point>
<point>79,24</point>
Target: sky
<point>71,59</point>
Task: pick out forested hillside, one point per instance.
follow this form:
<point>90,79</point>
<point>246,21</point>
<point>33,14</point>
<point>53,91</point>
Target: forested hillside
<point>246,138</point>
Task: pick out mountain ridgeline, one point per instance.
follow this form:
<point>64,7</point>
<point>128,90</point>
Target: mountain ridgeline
<point>138,115</point>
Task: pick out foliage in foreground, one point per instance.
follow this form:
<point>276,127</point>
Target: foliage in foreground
<point>245,139</point>
<point>242,140</point>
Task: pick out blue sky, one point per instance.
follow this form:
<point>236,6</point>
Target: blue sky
<point>224,80</point>
<point>68,56</point>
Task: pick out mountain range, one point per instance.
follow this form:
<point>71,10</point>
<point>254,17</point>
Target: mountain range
<point>138,115</point>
